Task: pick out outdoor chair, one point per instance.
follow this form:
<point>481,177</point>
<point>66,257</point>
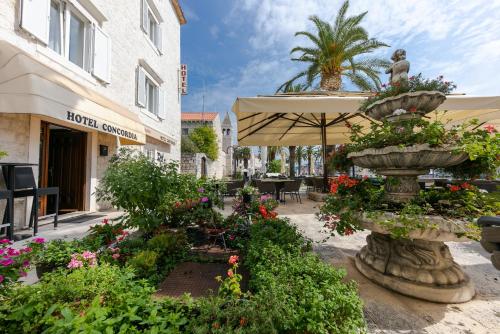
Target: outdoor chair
<point>308,181</point>
<point>265,187</point>
<point>490,237</point>
<point>215,233</point>
<point>26,187</point>
<point>317,184</point>
<point>8,219</point>
<point>292,188</point>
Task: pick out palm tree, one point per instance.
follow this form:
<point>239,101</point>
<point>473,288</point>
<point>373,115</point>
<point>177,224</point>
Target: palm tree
<point>335,54</point>
<point>242,153</point>
<point>292,155</point>
<point>309,153</point>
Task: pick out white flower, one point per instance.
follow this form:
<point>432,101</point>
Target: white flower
<point>398,112</point>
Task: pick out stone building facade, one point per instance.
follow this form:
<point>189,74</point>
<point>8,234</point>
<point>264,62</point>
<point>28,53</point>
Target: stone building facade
<point>192,120</point>
<point>81,78</point>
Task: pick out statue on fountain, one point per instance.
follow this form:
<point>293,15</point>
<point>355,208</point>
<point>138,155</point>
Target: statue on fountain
<point>399,69</point>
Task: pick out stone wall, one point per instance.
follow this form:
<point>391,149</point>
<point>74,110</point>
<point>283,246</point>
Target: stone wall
<point>191,163</point>
<point>14,139</point>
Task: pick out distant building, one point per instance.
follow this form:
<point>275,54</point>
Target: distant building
<point>199,164</point>
<point>227,142</point>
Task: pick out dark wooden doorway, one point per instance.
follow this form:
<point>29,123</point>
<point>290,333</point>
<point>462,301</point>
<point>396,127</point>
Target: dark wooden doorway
<point>62,164</point>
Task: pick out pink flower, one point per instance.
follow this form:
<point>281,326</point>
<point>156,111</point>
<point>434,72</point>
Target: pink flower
<point>105,221</point>
<point>88,255</point>
<point>115,256</point>
<point>12,252</point>
<point>1,278</point>
<point>74,263</point>
<point>38,240</point>
<point>490,128</point>
<point>5,241</point>
<point>233,259</point>
<point>6,262</point>
<point>231,237</point>
<point>26,250</point>
<point>204,199</point>
<point>22,273</point>
<point>230,273</point>
<point>201,190</point>
<point>26,263</point>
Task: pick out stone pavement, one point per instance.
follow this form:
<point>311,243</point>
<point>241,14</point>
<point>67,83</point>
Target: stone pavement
<point>390,312</point>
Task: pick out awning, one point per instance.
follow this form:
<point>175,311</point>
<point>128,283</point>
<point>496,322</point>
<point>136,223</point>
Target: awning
<point>29,87</point>
<point>285,120</point>
<point>150,132</point>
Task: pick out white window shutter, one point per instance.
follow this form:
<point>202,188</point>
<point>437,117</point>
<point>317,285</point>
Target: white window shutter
<point>141,87</point>
<point>162,110</point>
<point>102,55</point>
<point>145,15</point>
<point>159,39</point>
<point>35,18</point>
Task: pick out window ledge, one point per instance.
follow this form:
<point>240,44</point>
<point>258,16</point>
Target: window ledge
<point>149,114</point>
<point>66,64</point>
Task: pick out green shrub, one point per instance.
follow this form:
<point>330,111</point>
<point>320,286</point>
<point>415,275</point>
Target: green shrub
<point>57,253</point>
<point>168,243</point>
<point>144,263</point>
<point>274,166</point>
<point>187,145</point>
<point>205,139</point>
<point>102,299</point>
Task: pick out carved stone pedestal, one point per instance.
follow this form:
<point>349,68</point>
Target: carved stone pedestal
<point>419,268</point>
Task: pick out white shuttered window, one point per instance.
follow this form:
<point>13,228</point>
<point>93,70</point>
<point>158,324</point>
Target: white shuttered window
<point>150,95</point>
<point>151,25</point>
<point>69,30</point>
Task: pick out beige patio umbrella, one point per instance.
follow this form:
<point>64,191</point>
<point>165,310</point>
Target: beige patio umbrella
<point>321,118</point>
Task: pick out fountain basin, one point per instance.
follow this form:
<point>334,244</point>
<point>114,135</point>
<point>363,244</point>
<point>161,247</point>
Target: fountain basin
<point>422,102</point>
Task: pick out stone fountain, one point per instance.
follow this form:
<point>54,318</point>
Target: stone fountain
<point>420,265</point>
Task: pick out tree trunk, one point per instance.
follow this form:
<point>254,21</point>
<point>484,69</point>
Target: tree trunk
<point>291,149</point>
<point>299,164</point>
<point>309,163</point>
<point>330,82</point>
<point>245,163</point>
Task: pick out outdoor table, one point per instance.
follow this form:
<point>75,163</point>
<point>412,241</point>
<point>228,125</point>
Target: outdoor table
<point>278,185</point>
<point>8,169</point>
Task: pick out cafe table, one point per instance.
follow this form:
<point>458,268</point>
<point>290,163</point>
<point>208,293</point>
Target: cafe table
<point>278,185</point>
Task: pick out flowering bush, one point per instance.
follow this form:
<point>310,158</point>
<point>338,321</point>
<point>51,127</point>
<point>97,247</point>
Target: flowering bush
<point>106,233</point>
<point>261,207</point>
<point>230,286</point>
<point>415,83</point>
<point>338,160</point>
<point>14,263</point>
<point>85,259</point>
<point>348,196</point>
<point>56,254</point>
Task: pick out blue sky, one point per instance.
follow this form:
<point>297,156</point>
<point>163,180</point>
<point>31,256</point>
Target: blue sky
<point>241,47</point>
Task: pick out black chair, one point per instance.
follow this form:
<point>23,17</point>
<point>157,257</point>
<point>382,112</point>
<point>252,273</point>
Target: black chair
<point>8,219</point>
<point>292,188</point>
<point>25,186</point>
<point>490,237</point>
<point>318,184</point>
<point>309,184</point>
<point>232,187</point>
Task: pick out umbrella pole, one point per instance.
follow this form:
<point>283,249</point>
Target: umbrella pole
<point>323,151</point>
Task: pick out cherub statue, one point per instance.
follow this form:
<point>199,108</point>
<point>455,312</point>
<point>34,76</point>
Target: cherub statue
<point>399,69</point>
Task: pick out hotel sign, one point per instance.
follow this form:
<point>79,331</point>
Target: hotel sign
<point>183,77</point>
<point>94,124</point>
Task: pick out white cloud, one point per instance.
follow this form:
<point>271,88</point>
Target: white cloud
<point>459,39</point>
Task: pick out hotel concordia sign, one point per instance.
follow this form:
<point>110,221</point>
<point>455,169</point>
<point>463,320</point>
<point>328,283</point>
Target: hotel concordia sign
<point>102,126</point>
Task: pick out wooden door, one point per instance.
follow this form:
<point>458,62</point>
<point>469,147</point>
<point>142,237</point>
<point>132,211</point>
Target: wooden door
<point>66,168</point>
<point>43,166</point>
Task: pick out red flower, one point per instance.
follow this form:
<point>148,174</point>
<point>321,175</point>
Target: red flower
<point>467,186</point>
<point>454,188</point>
<point>412,109</point>
<point>490,128</point>
<point>334,187</point>
<point>348,231</point>
<point>233,259</point>
<point>230,273</point>
<point>231,237</point>
<point>263,211</point>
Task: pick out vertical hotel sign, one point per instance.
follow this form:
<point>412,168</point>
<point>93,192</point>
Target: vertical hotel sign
<point>183,82</point>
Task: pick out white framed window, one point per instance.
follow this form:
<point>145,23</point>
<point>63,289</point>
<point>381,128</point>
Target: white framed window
<point>150,95</point>
<point>69,30</point>
<point>151,23</point>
